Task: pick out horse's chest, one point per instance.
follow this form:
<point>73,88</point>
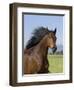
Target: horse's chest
<point>40,60</point>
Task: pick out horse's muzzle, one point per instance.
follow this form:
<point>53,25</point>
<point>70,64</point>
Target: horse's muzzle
<point>54,49</point>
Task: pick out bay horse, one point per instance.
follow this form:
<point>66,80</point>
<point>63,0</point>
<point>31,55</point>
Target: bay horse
<point>35,53</point>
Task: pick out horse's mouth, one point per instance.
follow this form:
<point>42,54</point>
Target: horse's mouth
<point>54,49</point>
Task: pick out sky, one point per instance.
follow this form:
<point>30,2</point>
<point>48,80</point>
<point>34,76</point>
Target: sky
<point>51,21</point>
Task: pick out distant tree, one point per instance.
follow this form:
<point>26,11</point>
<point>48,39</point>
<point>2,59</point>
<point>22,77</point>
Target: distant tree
<point>61,51</point>
<point>56,53</point>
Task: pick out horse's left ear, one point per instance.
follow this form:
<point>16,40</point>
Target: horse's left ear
<point>55,31</point>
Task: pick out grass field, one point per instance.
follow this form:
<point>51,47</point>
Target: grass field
<point>55,63</point>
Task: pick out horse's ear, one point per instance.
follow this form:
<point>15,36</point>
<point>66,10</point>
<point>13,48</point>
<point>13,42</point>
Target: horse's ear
<point>55,31</point>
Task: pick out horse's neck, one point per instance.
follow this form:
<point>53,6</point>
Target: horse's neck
<point>42,47</point>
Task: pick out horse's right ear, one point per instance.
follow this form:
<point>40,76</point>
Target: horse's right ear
<point>55,31</point>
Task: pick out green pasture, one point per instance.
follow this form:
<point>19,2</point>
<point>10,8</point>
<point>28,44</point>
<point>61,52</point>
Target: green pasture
<point>55,63</point>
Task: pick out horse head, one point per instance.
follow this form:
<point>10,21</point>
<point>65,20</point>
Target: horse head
<point>51,41</point>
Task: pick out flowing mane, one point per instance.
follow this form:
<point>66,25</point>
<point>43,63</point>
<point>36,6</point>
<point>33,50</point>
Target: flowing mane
<point>37,35</point>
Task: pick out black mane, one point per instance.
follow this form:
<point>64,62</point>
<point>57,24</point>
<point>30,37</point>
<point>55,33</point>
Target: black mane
<point>38,34</point>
